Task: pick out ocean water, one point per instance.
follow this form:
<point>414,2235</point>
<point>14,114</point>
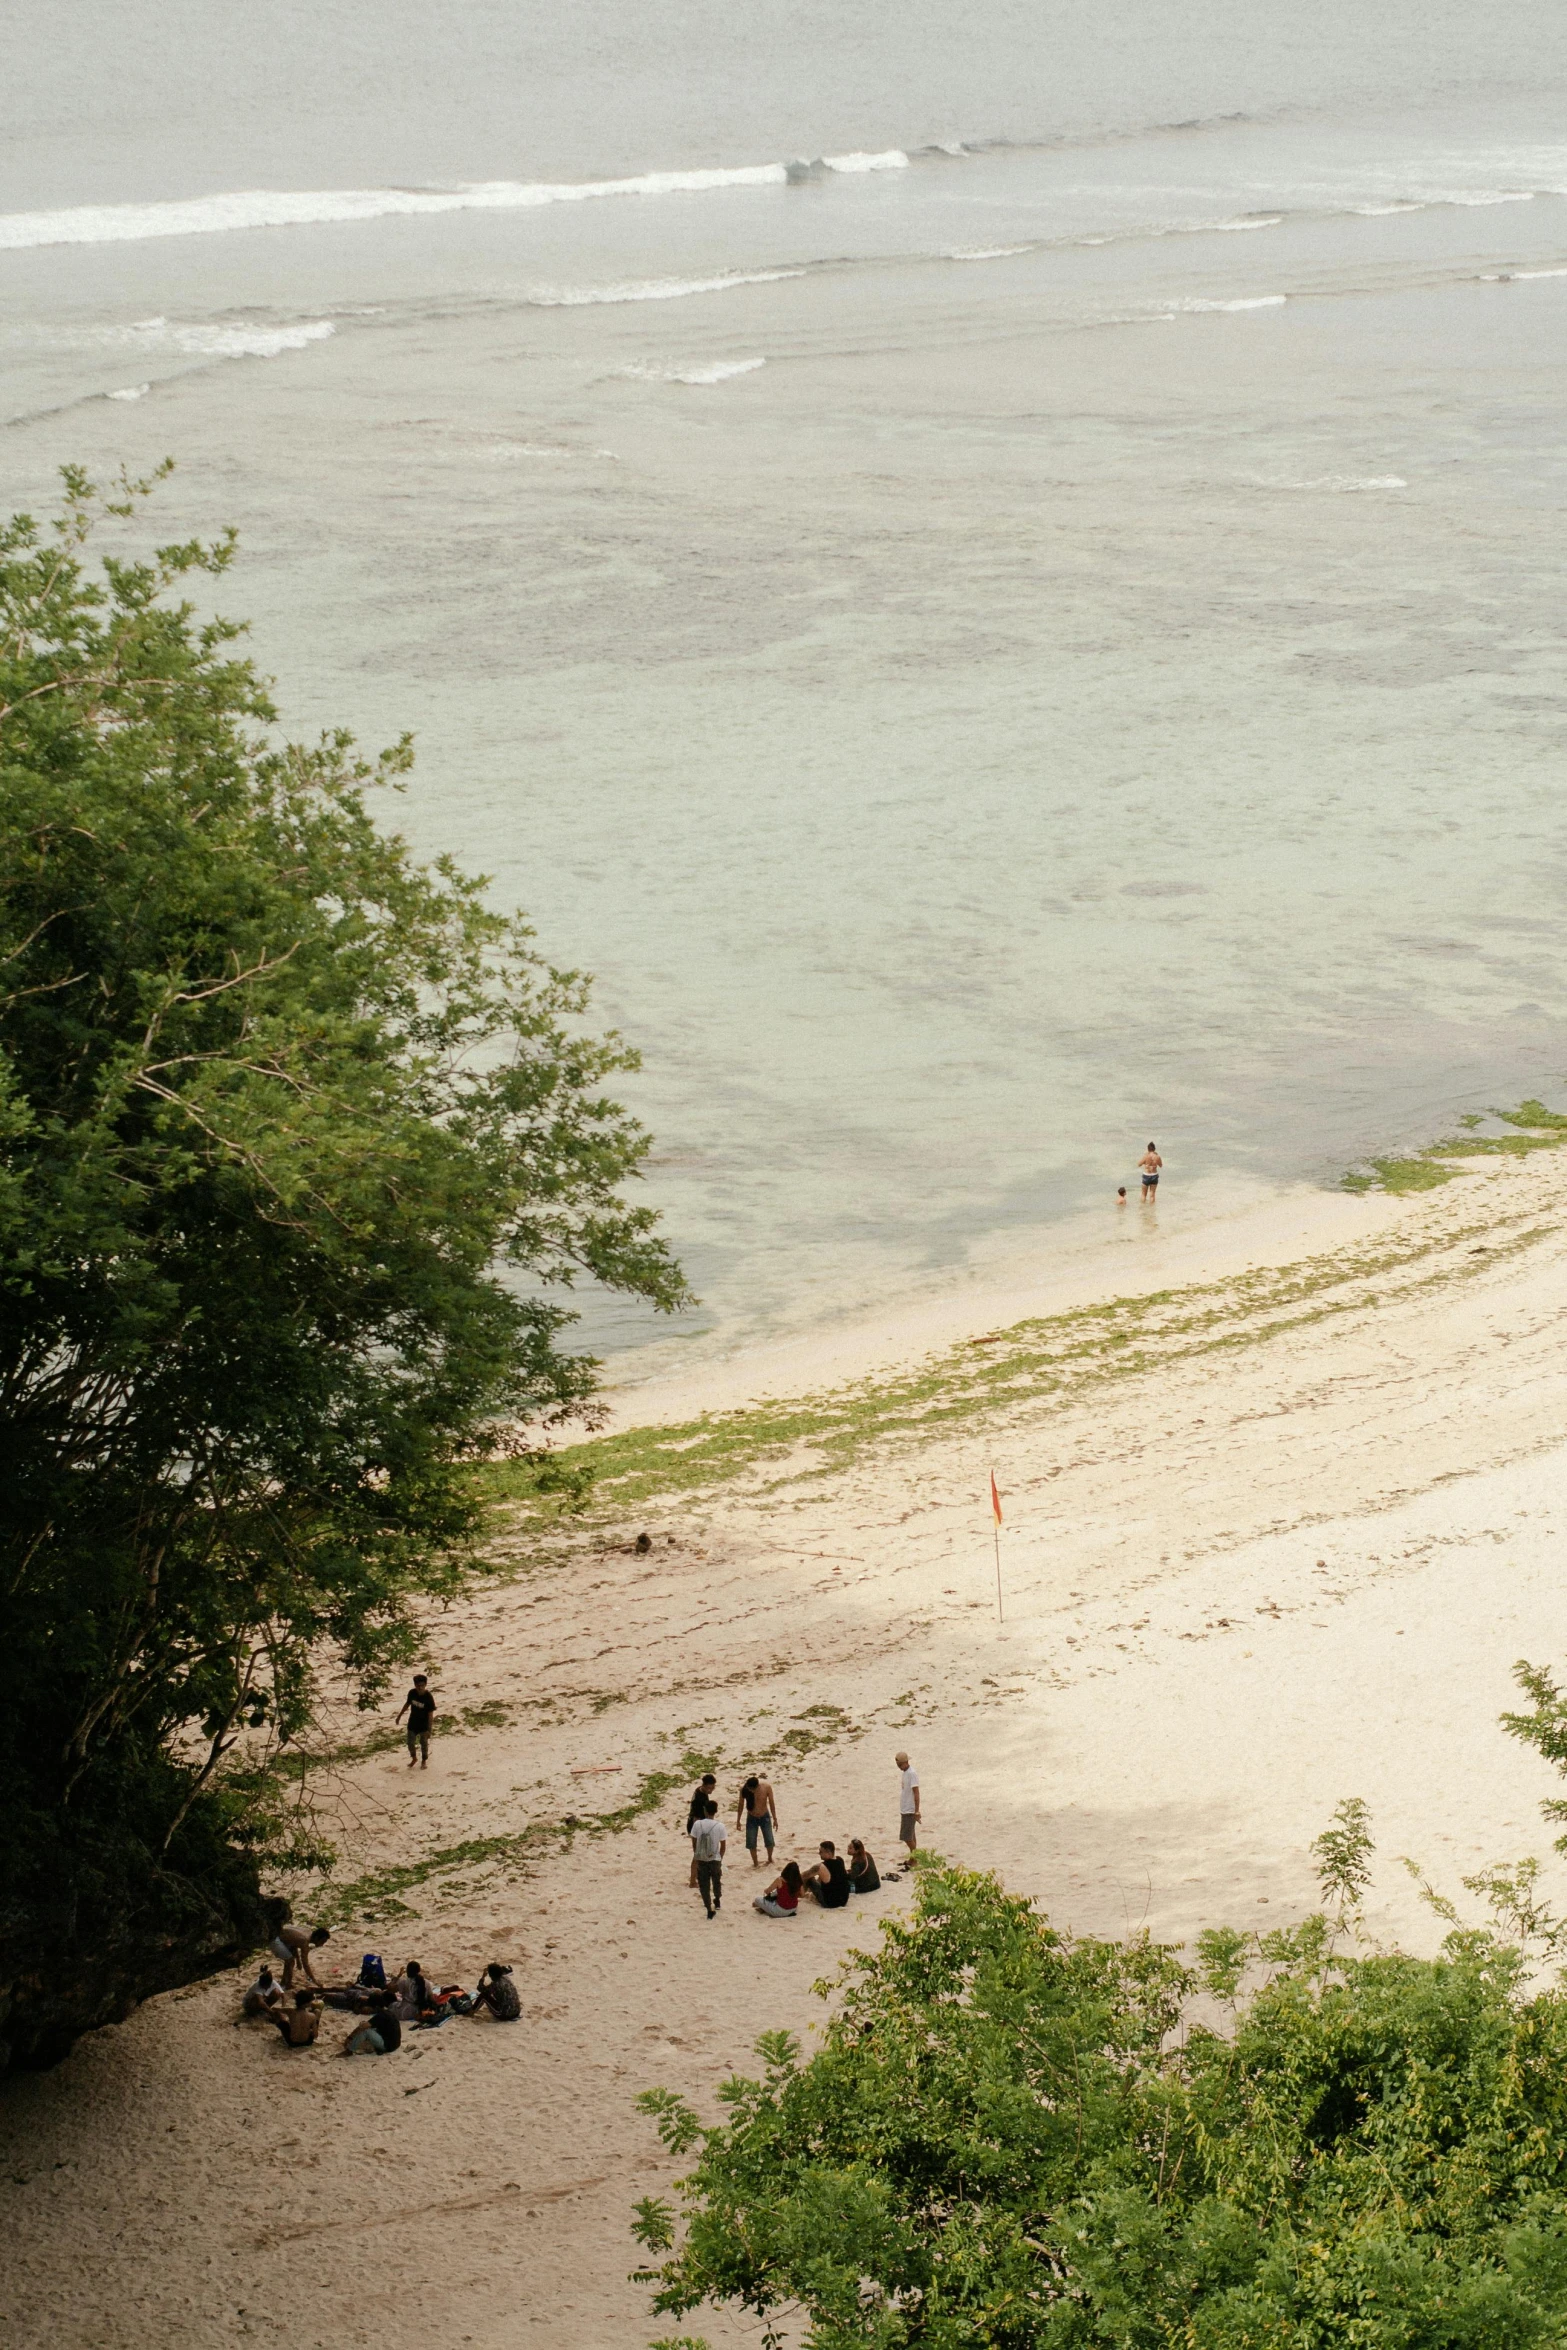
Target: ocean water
<point>995,576</point>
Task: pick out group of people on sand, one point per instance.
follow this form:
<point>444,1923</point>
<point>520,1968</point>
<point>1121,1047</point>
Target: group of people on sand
<point>385,2007</point>
<point>833,1879</point>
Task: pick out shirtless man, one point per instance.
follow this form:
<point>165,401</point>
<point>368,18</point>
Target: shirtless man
<point>293,1945</point>
<point>1150,1163</point>
<point>757,1812</point>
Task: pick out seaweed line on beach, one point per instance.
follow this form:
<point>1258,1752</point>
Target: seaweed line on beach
<point>1051,1361</point>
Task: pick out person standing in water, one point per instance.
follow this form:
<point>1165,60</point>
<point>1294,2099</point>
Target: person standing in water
<point>1150,1163</point>
<point>757,1810</point>
<point>419,1706</point>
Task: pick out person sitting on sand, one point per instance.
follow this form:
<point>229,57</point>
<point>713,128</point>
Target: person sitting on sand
<point>863,1874</point>
<point>498,1993</point>
<point>413,1993</point>
<point>382,2035</point>
<point>265,1992</point>
<point>782,1898</point>
<point>300,2023</point>
<point>828,1882</point>
<point>293,1945</point>
<point>758,1809</point>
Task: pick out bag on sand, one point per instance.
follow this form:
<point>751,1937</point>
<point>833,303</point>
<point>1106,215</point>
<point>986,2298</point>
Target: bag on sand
<point>372,1973</point>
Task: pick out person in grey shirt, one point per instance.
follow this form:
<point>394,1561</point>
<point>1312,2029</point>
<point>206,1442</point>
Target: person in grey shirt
<point>708,1839</point>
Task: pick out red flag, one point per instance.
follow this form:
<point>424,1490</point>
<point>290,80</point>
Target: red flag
<point>995,1498</point>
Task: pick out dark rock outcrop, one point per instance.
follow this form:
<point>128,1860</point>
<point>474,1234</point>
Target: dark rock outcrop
<point>90,1926</point>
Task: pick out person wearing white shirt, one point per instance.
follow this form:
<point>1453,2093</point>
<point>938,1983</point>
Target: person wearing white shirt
<point>708,1840</point>
<point>908,1801</point>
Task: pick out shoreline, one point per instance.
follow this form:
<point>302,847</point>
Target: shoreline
<point>1201,1236</point>
<point>1281,1546</point>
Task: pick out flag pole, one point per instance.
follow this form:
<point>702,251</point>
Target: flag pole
<point>995,1532</point>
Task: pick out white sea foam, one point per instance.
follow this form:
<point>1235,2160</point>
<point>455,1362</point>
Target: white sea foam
<point>219,341</point>
<point>250,342</point>
<point>718,371</point>
<point>890,159</point>
<point>986,252</point>
<point>199,216</point>
<point>130,392</point>
<point>655,289</point>
<point>1518,275</point>
<point>1242,302</point>
<point>1252,220</point>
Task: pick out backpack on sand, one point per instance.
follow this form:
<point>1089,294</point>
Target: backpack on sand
<point>372,1973</point>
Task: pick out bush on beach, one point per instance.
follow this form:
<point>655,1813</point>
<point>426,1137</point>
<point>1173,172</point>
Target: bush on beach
<point>293,1133</point>
<point>1011,2137</point>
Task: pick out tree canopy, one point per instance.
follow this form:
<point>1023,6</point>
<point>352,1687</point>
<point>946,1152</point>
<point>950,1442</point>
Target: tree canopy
<point>1011,2138</point>
<point>299,1140</point>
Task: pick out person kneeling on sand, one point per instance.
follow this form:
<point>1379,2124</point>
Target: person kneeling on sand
<point>863,1874</point>
<point>383,2034</point>
<point>829,1880</point>
<point>300,2023</point>
<point>782,1898</point>
<point>498,1993</point>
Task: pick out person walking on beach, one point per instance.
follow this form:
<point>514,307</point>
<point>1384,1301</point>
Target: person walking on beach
<point>419,1706</point>
<point>758,1810</point>
<point>908,1801</point>
<point>708,1842</point>
<point>1150,1163</point>
<point>696,1809</point>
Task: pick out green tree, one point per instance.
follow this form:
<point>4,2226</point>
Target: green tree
<point>1013,2139</point>
<point>297,1138</point>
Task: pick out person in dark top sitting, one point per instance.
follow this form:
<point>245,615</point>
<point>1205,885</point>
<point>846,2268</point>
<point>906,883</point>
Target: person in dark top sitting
<point>829,1880</point>
<point>382,2035</point>
<point>863,1873</point>
<point>498,1993</point>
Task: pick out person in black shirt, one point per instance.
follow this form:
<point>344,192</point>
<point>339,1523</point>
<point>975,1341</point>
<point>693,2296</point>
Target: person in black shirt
<point>382,2035</point>
<point>829,1880</point>
<point>419,1706</point>
<point>864,1875</point>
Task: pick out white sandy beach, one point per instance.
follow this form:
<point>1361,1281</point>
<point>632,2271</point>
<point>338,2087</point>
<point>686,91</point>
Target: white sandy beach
<point>1241,1585</point>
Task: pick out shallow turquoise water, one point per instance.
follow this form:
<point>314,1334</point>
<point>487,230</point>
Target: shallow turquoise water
<point>972,713</point>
